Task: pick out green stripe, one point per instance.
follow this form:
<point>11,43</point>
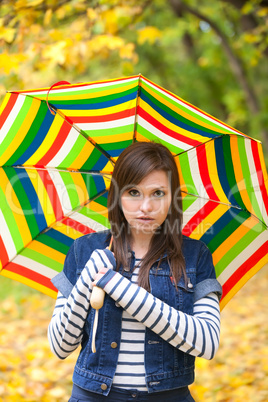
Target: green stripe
<point>90,184</point>
<point>95,100</point>
<point>247,177</point>
<point>53,243</point>
<point>97,217</point>
<point>189,111</point>
<point>110,131</point>
<point>237,248</point>
<point>227,230</point>
<point>187,201</point>
<point>92,160</point>
<point>70,189</point>
<point>18,122</point>
<point>112,146</point>
<point>147,134</point>
<point>42,259</point>
<point>11,222</point>
<point>31,134</point>
<point>23,200</point>
<point>226,145</point>
<point>187,173</point>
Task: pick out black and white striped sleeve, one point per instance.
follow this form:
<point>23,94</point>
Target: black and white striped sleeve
<point>65,329</point>
<point>196,334</point>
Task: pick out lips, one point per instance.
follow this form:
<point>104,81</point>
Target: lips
<point>145,218</point>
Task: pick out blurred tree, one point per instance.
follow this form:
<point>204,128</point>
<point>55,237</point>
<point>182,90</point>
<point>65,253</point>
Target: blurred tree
<point>213,54</point>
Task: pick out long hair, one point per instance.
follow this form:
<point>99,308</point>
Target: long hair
<point>133,165</point>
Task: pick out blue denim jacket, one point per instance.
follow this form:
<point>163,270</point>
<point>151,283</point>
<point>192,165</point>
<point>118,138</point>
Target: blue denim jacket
<point>165,366</point>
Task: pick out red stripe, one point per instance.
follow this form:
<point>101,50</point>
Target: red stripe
<point>77,226</point>
<point>9,106</point>
<point>32,275</point>
<point>52,193</point>
<point>198,218</point>
<point>244,268</point>
<point>3,253</point>
<point>61,137</point>
<point>186,140</point>
<point>108,117</point>
<point>256,156</point>
<point>201,153</point>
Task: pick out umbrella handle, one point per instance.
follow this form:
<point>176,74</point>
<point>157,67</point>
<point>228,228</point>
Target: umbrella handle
<point>96,301</point>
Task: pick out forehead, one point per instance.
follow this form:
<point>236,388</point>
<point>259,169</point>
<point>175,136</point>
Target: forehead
<point>155,179</point>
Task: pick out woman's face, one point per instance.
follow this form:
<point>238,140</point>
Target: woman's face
<point>146,205</point>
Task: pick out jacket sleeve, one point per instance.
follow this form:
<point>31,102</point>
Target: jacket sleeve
<point>196,334</point>
<point>65,329</point>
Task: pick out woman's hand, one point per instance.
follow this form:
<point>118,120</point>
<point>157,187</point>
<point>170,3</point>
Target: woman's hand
<point>99,275</point>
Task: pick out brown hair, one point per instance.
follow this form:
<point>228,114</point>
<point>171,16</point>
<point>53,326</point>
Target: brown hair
<point>134,163</point>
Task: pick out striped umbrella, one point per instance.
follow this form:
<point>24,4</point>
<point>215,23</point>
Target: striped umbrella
<point>58,147</point>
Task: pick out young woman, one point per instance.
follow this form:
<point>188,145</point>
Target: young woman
<point>161,308</point>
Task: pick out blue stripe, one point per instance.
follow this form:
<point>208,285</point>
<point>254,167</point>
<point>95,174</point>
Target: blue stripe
<point>175,121</point>
<point>220,224</point>
<point>62,238</point>
<point>32,198</point>
<point>141,305</point>
<point>132,298</point>
<point>220,161</point>
<point>39,137</point>
<point>97,105</point>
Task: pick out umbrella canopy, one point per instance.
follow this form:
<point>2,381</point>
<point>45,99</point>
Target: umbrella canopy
<point>57,151</point>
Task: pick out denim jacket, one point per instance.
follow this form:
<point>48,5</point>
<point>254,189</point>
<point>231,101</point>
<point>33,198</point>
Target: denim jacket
<point>165,366</point>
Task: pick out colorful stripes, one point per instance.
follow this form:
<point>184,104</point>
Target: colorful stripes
<point>56,170</point>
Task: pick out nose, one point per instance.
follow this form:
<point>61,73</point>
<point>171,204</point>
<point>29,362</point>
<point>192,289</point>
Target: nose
<point>146,205</point>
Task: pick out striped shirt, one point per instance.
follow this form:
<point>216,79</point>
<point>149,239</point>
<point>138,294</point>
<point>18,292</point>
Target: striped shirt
<point>197,335</point>
<point>130,370</point>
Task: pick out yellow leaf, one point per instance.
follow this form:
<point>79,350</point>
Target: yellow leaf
<point>7,34</point>
<point>47,17</point>
<point>148,34</point>
<point>91,14</point>
<point>11,62</point>
<point>127,51</point>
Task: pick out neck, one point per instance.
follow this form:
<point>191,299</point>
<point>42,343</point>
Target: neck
<point>140,243</point>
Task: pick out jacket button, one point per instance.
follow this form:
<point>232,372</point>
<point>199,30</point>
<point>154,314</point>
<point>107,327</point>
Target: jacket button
<point>104,387</point>
<point>113,345</point>
<point>117,304</point>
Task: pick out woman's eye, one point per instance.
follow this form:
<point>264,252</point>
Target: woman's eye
<point>134,193</point>
<point>159,193</point>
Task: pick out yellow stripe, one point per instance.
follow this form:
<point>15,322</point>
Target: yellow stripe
<point>206,223</point>
<point>110,139</point>
<point>231,240</point>
<point>21,133</point>
<point>243,281</point>
<point>83,156</point>
<point>48,141</point>
<point>48,251</point>
<point>238,172</point>
<point>172,126</point>
<point>15,208</point>
<point>67,230</point>
<point>101,112</point>
<point>213,172</point>
<point>95,207</point>
<point>5,102</point>
<point>80,188</point>
<point>29,282</point>
<point>42,197</point>
<point>185,114</point>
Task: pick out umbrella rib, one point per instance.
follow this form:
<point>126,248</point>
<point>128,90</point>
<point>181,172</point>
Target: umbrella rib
<point>53,169</point>
<point>228,205</point>
<point>206,142</point>
<point>55,223</point>
<point>83,134</point>
<point>136,109</point>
